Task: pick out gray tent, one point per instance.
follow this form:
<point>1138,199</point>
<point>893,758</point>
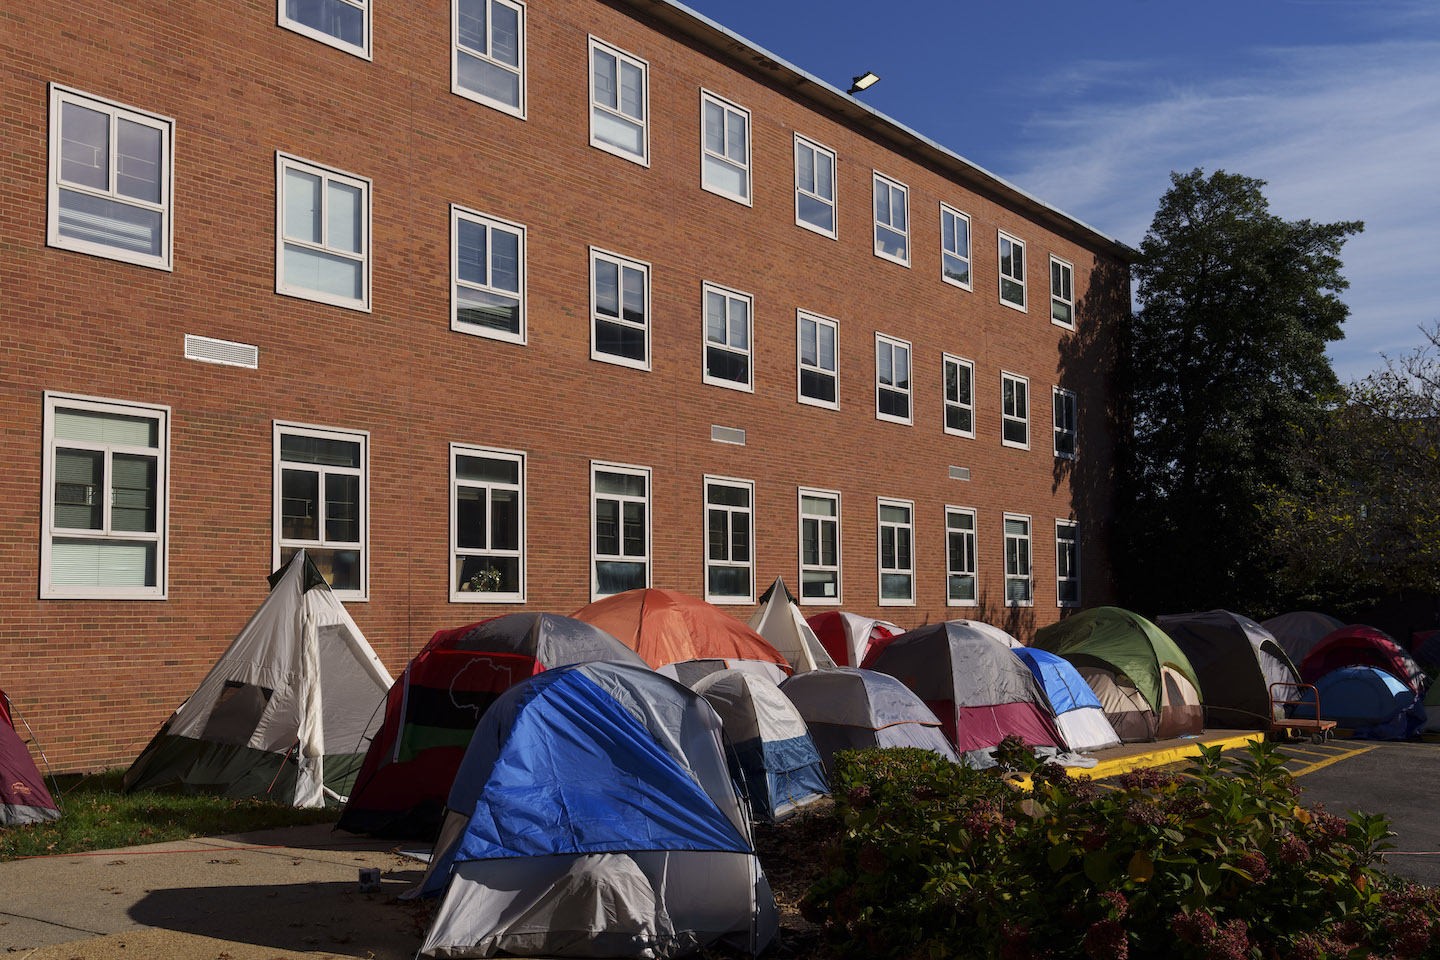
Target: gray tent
<point>1299,632</point>
<point>1235,660</point>
<point>851,709</point>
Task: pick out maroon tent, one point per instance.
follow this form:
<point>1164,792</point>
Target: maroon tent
<point>23,797</point>
<point>432,710</point>
<point>1362,646</point>
<point>978,689</point>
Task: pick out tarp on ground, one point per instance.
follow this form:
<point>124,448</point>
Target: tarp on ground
<point>23,795</point>
<point>973,682</point>
<point>1358,645</point>
<point>285,711</point>
<point>1236,660</point>
<point>780,622</point>
<point>847,708</point>
<point>682,636</point>
<point>773,753</point>
<point>431,712</point>
<point>1078,713</point>
<point>594,815</point>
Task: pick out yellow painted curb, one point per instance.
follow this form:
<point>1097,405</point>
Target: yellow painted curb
<point>1161,758</point>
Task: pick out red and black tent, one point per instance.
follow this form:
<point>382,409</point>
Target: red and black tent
<point>23,797</point>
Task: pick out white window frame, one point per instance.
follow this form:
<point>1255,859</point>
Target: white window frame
<point>1067,270</point>
<point>1073,552</point>
<point>893,184</point>
<point>621,263</point>
<point>729,294</point>
<point>1015,242</point>
<point>1018,416</point>
<point>362,51</point>
<point>800,317</point>
<point>643,158</point>
<point>894,344</point>
<point>950,571</point>
<point>49,532</point>
<point>285,161</point>
<point>518,457</point>
<point>804,142</point>
<point>116,112</point>
<point>882,527</point>
<point>601,466</point>
<point>491,224</point>
<point>277,543</point>
<point>948,211</point>
<point>749,487</point>
<point>1029,574</point>
<point>727,107</point>
<point>839,566</point>
<point>517,110</point>
<point>1057,395</point>
<point>947,360</point>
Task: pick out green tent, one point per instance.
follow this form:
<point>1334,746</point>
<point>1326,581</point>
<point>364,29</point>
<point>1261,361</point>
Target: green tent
<point>1135,654</point>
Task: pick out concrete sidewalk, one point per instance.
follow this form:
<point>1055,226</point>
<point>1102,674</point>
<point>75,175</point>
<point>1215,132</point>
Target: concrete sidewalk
<point>291,893</point>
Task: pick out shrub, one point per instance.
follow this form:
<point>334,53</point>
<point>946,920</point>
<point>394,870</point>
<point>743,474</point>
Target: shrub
<point>935,860</point>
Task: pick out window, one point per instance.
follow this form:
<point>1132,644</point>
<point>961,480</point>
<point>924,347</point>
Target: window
<point>959,396</point>
<point>954,247</point>
<point>1015,411</point>
<point>343,24</point>
<point>897,554</point>
<point>1064,423</point>
<point>322,252</point>
<point>724,148</point>
<point>1012,272</point>
<point>489,281</point>
<point>488,57</point>
<point>619,310</point>
<point>729,533</point>
<point>1062,297</point>
<point>1017,561</point>
<point>892,220</point>
<point>727,338</point>
<point>892,379</point>
<point>111,172</point>
<point>815,187</point>
<point>487,525</point>
<point>619,100</point>
<point>960,557</point>
<point>819,546</point>
<point>321,497</point>
<point>106,478</point>
<point>620,532</point>
<point>1067,564</point>
<point>819,381</point>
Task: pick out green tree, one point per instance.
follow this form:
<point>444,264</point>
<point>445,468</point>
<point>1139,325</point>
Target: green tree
<point>1224,360</point>
<point>1365,521</point>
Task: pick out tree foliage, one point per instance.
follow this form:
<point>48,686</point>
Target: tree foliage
<point>1365,521</point>
<point>1224,361</point>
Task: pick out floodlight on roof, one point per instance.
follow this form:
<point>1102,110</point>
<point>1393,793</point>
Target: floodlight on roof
<point>863,82</point>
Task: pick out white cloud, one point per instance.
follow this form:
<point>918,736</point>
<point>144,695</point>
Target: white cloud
<point>1339,132</point>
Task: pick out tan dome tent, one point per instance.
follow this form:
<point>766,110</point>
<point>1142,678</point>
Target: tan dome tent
<point>1236,660</point>
<point>1145,684</point>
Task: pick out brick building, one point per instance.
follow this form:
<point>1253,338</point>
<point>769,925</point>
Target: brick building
<point>497,305</point>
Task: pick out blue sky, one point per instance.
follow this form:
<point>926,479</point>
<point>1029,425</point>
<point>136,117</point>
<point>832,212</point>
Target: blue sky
<point>1335,103</point>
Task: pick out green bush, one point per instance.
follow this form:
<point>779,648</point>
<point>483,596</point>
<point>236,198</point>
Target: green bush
<point>935,860</point>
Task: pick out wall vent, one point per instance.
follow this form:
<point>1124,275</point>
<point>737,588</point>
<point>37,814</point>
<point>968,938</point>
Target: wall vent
<point>959,473</point>
<point>727,435</point>
<point>227,352</point>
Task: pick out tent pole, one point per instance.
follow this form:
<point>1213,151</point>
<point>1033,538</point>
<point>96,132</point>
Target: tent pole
<point>59,801</point>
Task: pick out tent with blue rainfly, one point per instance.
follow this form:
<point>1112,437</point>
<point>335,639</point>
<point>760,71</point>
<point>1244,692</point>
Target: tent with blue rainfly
<point>594,815</point>
<point>1357,696</point>
<point>1078,713</point>
<point>773,754</point>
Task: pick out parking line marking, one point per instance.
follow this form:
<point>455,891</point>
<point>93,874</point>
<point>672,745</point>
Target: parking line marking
<point>1311,768</point>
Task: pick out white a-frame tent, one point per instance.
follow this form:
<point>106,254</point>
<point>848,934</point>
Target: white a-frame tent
<point>779,621</point>
<point>284,712</point>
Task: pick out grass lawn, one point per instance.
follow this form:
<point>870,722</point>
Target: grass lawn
<point>97,816</point>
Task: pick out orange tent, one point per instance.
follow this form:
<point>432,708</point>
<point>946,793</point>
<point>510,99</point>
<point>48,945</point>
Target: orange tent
<point>683,637</point>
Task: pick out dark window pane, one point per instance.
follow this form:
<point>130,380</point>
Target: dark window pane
<point>299,448</point>
<point>619,340</point>
<point>817,386</point>
<point>342,508</point>
<point>299,505</point>
<point>470,518</point>
<point>725,365</point>
<point>617,577</point>
<point>505,519</point>
<point>729,581</point>
<point>79,486</point>
<point>487,574</point>
<point>607,527</point>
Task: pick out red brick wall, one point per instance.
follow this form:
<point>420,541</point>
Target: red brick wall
<point>96,678</point>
